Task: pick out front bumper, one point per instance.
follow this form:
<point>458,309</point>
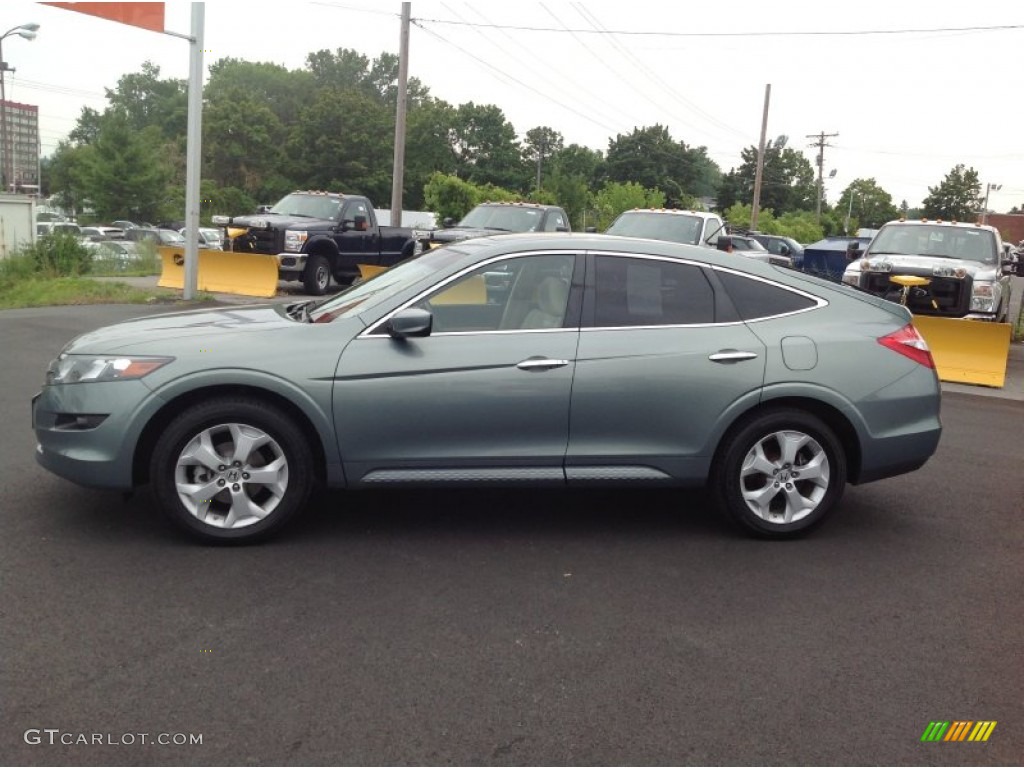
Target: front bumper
<point>101,456</point>
<point>291,262</point>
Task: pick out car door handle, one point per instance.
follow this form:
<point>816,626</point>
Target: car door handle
<point>731,356</point>
<point>541,364</point>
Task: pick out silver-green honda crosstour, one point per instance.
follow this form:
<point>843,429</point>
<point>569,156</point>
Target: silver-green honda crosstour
<point>537,360</point>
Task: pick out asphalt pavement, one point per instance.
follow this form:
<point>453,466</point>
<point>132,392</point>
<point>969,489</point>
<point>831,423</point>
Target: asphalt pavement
<point>509,628</point>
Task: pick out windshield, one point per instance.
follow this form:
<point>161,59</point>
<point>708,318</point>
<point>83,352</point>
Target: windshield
<point>674,227</point>
<point>506,218</point>
<point>383,286</point>
<point>937,240</point>
<point>309,206</point>
<point>747,244</point>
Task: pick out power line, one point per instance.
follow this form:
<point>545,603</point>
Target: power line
<point>814,33</point>
<point>507,76</point>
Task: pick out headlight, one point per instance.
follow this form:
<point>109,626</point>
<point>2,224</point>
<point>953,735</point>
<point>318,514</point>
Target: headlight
<point>983,297</point>
<point>294,239</point>
<point>73,369</point>
<point>877,265</point>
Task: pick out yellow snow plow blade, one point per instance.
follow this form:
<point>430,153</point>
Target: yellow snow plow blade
<point>366,271</point>
<point>967,351</point>
<point>247,274</point>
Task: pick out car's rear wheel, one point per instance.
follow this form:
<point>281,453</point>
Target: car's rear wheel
<point>779,473</point>
<point>317,275</point>
<point>232,470</point>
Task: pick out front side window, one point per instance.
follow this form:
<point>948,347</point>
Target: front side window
<point>633,292</point>
<point>525,293</point>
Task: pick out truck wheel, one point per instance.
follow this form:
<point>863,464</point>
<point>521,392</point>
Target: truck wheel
<point>317,276</point>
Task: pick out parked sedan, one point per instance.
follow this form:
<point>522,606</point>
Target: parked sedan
<point>545,360</point>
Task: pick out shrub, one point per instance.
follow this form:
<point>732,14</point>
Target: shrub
<point>59,254</point>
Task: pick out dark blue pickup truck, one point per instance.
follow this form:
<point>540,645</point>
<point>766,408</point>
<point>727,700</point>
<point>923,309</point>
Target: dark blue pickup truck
<point>317,236</point>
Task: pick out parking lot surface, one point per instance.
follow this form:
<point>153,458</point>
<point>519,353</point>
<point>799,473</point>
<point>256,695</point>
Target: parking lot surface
<point>512,628</point>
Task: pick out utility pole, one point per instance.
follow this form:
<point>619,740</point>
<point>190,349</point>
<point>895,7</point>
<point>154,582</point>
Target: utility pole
<point>821,143</point>
<point>984,209</point>
<point>755,207</point>
<point>398,178</point>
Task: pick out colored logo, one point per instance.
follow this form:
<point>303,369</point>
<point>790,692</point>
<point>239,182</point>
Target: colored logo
<point>959,730</point>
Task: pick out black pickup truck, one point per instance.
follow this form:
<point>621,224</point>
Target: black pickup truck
<point>319,235</point>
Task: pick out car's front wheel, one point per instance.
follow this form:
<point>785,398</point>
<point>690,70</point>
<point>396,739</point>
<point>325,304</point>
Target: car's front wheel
<point>232,470</point>
<point>779,473</point>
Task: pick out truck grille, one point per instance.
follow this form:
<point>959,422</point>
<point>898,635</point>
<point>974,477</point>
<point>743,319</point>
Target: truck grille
<point>259,241</point>
<point>943,296</point>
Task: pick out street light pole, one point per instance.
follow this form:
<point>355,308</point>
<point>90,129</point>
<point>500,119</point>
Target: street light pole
<point>27,31</point>
<point>849,213</point>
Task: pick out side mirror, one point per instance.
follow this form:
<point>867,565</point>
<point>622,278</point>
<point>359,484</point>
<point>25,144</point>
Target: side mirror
<point>448,222</point>
<point>784,250</point>
<point>591,230</point>
<point>410,322</point>
<point>561,229</point>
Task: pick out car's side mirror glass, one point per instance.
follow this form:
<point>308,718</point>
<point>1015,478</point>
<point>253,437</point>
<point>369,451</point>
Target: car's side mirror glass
<point>410,322</point>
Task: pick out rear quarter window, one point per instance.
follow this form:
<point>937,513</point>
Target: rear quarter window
<point>756,299</point>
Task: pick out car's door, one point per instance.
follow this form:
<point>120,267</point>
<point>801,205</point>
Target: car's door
<point>484,397</point>
<point>662,359</point>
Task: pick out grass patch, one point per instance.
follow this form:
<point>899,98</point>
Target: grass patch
<point>45,292</point>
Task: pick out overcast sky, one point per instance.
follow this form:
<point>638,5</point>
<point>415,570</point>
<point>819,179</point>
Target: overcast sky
<point>907,105</point>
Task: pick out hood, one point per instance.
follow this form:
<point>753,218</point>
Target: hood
<point>452,234</point>
<point>151,332</point>
<point>280,221</point>
<point>976,270</point>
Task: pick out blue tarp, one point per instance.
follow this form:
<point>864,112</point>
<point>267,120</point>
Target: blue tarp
<point>827,258</point>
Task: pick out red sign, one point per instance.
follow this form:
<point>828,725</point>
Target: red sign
<point>145,15</point>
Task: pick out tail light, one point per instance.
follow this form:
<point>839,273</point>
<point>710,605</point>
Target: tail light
<point>909,342</point>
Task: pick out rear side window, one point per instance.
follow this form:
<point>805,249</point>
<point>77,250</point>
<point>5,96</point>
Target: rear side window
<point>631,292</point>
<point>756,299</point>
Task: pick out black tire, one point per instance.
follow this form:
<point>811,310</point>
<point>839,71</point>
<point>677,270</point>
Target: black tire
<point>317,275</point>
<point>805,499</point>
<point>273,449</point>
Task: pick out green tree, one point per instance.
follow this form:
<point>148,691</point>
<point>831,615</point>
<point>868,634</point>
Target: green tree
<point>125,174</point>
<point>865,204</point>
<point>427,149</point>
<point>449,196</point>
<point>615,197</point>
<point>787,181</point>
<point>541,143</point>
<point>651,158</point>
<point>485,148</point>
<point>146,101</point>
<point>64,175</point>
<point>343,142</point>
<point>958,196</point>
